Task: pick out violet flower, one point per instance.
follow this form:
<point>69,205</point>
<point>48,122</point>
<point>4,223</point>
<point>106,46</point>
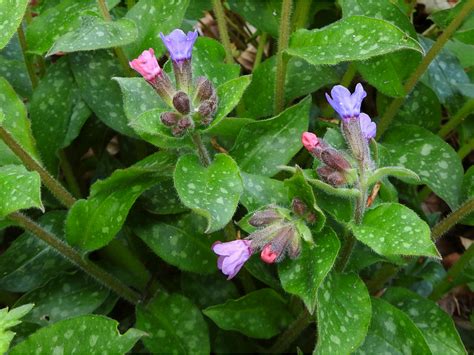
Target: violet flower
<point>179,44</point>
<point>368,128</point>
<point>347,105</point>
<point>232,256</point>
<point>146,64</point>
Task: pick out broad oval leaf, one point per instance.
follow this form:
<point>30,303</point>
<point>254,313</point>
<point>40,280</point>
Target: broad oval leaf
<point>391,331</point>
<point>304,275</point>
<point>90,334</point>
<point>431,158</point>
<point>264,145</point>
<point>21,189</point>
<point>393,229</point>
<point>263,14</point>
<point>352,38</point>
<point>174,325</point>
<point>11,14</point>
<point>212,191</point>
<point>436,325</point>
<point>261,190</point>
<point>344,312</point>
<point>260,314</point>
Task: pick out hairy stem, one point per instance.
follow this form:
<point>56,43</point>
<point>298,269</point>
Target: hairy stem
<point>349,75</point>
<point>118,51</point>
<point>26,57</point>
<point>281,61</point>
<point>69,174</point>
<point>291,333</point>
<point>451,220</point>
<point>201,149</point>
<point>466,149</point>
<point>222,26</point>
<point>415,76</point>
<point>302,12</point>
<point>76,258</point>
<point>52,184</point>
<point>262,41</point>
<point>448,281</point>
<point>457,119</point>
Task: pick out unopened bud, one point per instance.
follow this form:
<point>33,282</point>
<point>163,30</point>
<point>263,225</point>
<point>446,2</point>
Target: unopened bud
<point>207,108</point>
<point>335,160</point>
<point>331,176</point>
<point>184,123</point>
<point>268,255</point>
<point>204,89</point>
<point>264,218</point>
<point>298,207</point>
<point>169,118</point>
<point>181,102</point>
<point>294,248</point>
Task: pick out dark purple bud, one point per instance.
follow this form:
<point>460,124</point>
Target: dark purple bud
<point>184,123</point>
<point>169,118</point>
<point>294,248</point>
<point>331,176</point>
<point>298,207</point>
<point>335,160</point>
<point>181,102</point>
<point>204,89</point>
<point>207,108</point>
<point>264,218</point>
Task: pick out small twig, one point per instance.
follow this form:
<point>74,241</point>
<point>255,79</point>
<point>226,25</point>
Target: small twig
<point>217,146</point>
<point>262,41</point>
<point>457,119</point>
<point>452,219</point>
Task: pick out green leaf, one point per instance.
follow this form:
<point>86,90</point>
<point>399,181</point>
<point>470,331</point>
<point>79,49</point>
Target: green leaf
<point>63,297</point>
<point>396,171</point>
<point>14,70</point>
<point>352,38</point>
<point>261,191</point>
<point>393,229</point>
<point>174,325</point>
<point>468,192</point>
<point>95,33</point>
<point>93,72</point>
<point>89,334</point>
<point>213,191</point>
<point>21,189</point>
<point>58,20</point>
<point>304,275</point>
<point>465,32</point>
<point>180,242</point>
<point>9,319</point>
<point>344,312</point>
<point>421,108</point>
<point>260,314</point>
<point>11,14</point>
<point>430,157</point>
<point>264,145</point>
<point>436,325</point>
<point>15,121</point>
<point>152,17</point>
<point>162,199</point>
<point>229,95</point>
<point>93,223</point>
<point>301,79</point>
<point>263,14</point>
<point>29,262</point>
<point>391,331</point>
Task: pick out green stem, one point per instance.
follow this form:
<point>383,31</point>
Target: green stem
<point>466,149</point>
<point>302,12</point>
<point>26,57</point>
<point>262,41</point>
<point>457,119</point>
<point>201,149</point>
<point>349,75</point>
<point>384,274</point>
<point>291,333</point>
<point>76,258</point>
<point>448,281</point>
<point>130,4</point>
<point>452,219</point>
<point>118,51</point>
<point>69,174</point>
<point>223,32</point>
<point>52,184</point>
<point>281,61</point>
<point>415,76</point>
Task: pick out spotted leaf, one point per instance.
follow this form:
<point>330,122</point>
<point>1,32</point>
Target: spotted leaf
<point>11,14</point>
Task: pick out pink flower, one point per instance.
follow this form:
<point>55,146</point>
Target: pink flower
<point>146,64</point>
<point>268,255</point>
<point>309,140</point>
<point>368,128</point>
<point>232,256</point>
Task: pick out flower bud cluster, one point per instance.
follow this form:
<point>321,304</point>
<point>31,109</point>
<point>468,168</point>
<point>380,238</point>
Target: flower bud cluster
<point>192,103</point>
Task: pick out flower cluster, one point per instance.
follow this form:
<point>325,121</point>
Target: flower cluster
<point>276,236</point>
<point>193,103</point>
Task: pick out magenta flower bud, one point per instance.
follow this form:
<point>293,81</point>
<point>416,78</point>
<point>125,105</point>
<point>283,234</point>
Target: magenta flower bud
<point>181,102</point>
<point>147,65</point>
<point>179,45</point>
<point>335,160</point>
<point>309,140</point>
<point>368,128</point>
<point>347,105</point>
<point>232,256</point>
<point>268,255</point>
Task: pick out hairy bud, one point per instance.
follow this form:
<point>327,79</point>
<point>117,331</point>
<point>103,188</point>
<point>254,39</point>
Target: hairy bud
<point>335,160</point>
<point>207,108</point>
<point>264,218</point>
<point>298,207</point>
<point>204,89</point>
<point>181,102</point>
<point>169,118</point>
<point>331,176</point>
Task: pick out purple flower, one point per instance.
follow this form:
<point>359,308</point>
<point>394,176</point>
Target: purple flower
<point>347,105</point>
<point>368,128</point>
<point>179,44</point>
<point>232,256</point>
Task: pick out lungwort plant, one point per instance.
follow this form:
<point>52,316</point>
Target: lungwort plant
<point>236,176</point>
